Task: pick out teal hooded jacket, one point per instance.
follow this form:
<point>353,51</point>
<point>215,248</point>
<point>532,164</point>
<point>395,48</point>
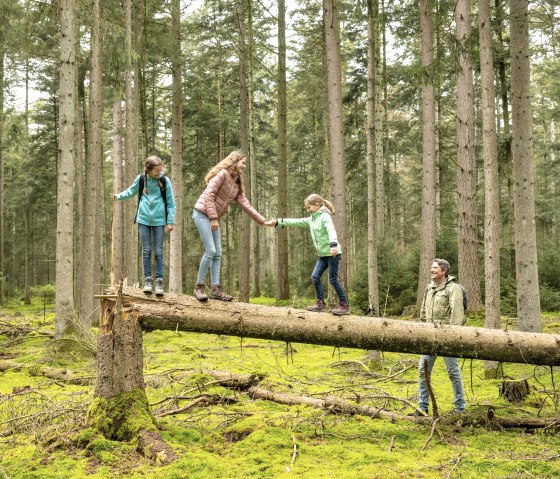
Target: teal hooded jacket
<point>321,227</point>
<point>151,211</point>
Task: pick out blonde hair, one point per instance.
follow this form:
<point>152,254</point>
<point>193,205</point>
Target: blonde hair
<point>315,199</point>
<point>228,163</point>
<point>151,162</point>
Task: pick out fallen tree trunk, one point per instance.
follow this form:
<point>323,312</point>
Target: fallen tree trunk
<point>55,374</point>
<point>184,313</point>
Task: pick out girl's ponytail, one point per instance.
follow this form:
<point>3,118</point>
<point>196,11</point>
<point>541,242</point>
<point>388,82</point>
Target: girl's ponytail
<point>316,199</point>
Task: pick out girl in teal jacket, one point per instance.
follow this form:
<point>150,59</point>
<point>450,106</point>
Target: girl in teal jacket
<point>155,215</point>
<point>326,243</point>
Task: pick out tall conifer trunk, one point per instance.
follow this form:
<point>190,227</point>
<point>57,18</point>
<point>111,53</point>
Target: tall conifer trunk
<point>65,189</point>
<point>526,267</point>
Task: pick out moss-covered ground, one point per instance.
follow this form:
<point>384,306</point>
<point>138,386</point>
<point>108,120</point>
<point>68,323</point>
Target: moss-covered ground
<point>43,432</point>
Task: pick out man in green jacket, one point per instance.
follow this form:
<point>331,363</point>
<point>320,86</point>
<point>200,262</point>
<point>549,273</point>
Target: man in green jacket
<point>442,304</point>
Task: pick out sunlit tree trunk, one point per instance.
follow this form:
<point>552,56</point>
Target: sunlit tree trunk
<point>466,174</point>
<point>117,226</point>
<point>282,234</point>
<point>176,241</point>
<point>65,188</point>
<point>492,225</point>
<point>526,267</point>
<point>428,228</point>
<point>335,136</point>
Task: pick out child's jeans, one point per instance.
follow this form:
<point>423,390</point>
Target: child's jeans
<point>146,233</point>
<point>330,262</point>
<point>212,248</point>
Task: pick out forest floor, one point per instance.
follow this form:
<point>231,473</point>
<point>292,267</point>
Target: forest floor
<point>226,434</point>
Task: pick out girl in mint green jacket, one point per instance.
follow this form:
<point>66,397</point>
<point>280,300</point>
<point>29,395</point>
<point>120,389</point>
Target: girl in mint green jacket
<point>324,238</point>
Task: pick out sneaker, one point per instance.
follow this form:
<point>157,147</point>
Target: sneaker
<point>199,292</point>
<point>317,307</point>
<point>148,284</point>
<point>218,293</point>
<point>342,310</point>
<point>159,286</point>
<point>418,413</point>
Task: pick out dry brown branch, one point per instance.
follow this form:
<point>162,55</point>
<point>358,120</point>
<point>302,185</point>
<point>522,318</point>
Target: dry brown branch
<point>391,444</point>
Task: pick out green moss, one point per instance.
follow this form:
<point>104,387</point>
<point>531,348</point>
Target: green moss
<point>121,417</point>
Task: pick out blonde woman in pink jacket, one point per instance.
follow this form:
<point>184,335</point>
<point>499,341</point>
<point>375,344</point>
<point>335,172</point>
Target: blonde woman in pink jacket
<point>224,185</point>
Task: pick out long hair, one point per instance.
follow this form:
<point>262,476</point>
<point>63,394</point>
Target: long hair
<point>315,199</point>
<point>228,163</point>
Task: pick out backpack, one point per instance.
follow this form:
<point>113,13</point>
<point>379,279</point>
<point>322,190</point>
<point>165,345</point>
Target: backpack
<point>465,297</point>
<point>162,189</point>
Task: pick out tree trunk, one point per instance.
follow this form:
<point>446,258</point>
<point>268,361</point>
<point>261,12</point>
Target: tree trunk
<point>428,234</point>
<point>64,305</point>
<point>526,267</point>
<point>176,241</point>
<point>184,313</point>
<point>466,173</point>
<point>335,136</point>
<point>492,224</point>
<point>90,255</point>
<point>2,259</point>
<point>130,170</point>
<point>282,234</point>
<point>245,227</point>
<point>117,269</point>
<point>372,198</point>
<point>120,409</point>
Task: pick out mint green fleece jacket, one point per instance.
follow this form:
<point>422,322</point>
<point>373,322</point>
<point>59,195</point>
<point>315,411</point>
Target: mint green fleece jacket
<point>321,227</point>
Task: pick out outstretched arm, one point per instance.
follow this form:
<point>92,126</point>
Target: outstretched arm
<point>131,191</point>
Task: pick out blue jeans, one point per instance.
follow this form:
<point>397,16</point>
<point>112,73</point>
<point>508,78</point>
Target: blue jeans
<point>454,375</point>
<point>146,233</point>
<point>330,262</point>
<point>212,248</point>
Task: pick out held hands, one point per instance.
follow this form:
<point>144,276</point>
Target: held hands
<point>271,222</point>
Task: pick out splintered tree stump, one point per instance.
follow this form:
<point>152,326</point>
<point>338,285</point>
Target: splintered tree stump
<point>514,391</point>
<point>120,409</point>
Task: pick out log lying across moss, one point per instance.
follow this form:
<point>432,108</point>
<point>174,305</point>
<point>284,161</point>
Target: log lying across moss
<point>185,313</point>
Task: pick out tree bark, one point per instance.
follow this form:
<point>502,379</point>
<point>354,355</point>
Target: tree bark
<point>282,234</point>
<point>176,240</point>
<point>335,135</point>
<point>428,234</point>
<point>2,258</point>
<point>64,305</point>
<point>466,173</point>
<point>372,198</point>
<point>184,313</point>
<point>492,224</point>
<point>244,133</point>
<point>526,267</point>
<point>120,409</point>
<point>117,266</point>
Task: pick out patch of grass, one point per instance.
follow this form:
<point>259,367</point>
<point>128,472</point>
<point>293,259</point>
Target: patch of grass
<point>261,439</point>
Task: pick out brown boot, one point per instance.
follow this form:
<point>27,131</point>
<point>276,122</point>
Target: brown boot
<point>218,293</point>
<point>342,310</point>
<point>318,307</point>
<point>199,292</point>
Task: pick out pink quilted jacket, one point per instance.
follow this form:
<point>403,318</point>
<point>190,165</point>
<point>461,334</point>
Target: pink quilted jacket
<point>222,190</point>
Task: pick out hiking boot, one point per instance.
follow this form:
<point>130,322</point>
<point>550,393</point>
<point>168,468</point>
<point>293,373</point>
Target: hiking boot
<point>148,284</point>
<point>159,286</point>
<point>218,293</point>
<point>318,307</point>
<point>199,292</point>
<point>418,413</point>
<point>342,310</point>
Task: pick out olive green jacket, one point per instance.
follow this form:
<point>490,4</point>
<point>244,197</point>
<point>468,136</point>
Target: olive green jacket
<point>443,304</point>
